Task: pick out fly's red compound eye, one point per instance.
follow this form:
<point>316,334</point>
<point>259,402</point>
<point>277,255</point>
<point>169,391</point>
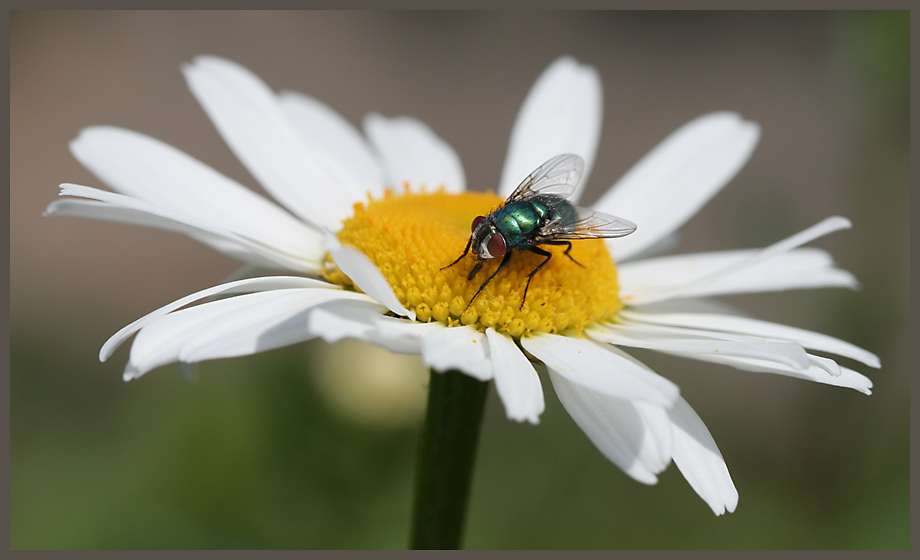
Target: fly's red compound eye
<point>496,245</point>
<point>476,222</point>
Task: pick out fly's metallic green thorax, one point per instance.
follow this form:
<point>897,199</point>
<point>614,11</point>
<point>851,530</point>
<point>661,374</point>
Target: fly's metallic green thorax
<point>517,221</point>
<point>538,213</point>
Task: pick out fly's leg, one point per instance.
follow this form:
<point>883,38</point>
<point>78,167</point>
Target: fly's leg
<point>465,251</point>
<point>567,249</point>
<point>505,260</point>
<point>542,253</point>
<point>476,268</point>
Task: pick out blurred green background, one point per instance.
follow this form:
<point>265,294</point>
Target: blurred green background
<point>290,449</point>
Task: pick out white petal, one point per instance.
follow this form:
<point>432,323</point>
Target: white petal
<point>734,324</point>
<point>691,305</point>
<point>778,267</point>
<point>239,286</point>
<point>236,326</point>
<point>399,335</point>
<point>562,114</point>
<point>695,341</point>
<point>827,364</point>
<point>104,211</point>
<point>250,120</point>
<point>412,153</point>
<point>341,319</point>
<point>634,435</point>
<point>365,274</point>
<point>666,278</point>
<point>145,168</point>
<point>114,207</point>
<point>516,381</point>
<point>603,370</point>
<point>852,380</point>
<point>461,348</point>
<point>670,184</point>
<point>847,378</point>
<point>338,144</point>
<point>267,321</point>
<point>698,457</point>
<point>822,228</point>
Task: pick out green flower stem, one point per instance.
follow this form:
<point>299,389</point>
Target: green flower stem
<point>447,449</point>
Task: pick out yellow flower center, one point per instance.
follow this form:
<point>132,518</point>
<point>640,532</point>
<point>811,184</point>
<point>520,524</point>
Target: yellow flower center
<point>411,237</point>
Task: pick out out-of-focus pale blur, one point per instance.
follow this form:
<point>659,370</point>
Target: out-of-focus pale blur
<point>255,453</point>
<point>370,385</point>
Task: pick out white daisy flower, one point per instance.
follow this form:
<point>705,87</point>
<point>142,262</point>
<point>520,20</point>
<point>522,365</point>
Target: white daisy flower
<point>366,224</point>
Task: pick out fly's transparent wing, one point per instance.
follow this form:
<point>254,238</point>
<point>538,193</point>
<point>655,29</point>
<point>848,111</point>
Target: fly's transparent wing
<point>590,224</point>
<point>557,177</point>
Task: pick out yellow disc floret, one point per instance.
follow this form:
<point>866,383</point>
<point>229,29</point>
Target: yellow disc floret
<point>411,237</point>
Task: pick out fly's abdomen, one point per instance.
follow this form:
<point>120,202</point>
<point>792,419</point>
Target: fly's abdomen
<point>564,212</point>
